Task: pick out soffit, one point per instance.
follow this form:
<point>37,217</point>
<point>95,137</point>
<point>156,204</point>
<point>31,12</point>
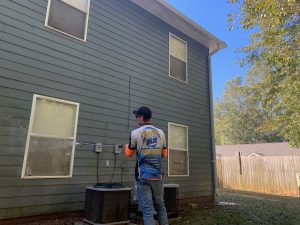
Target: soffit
<point>176,19</point>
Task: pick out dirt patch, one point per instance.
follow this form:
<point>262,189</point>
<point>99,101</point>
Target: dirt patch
<point>68,221</point>
<point>50,219</point>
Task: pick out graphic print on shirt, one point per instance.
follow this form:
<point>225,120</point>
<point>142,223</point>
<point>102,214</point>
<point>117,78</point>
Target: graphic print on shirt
<point>148,142</point>
<point>151,151</point>
<point>150,138</point>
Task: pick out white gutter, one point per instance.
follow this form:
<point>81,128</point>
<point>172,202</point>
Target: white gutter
<point>212,128</point>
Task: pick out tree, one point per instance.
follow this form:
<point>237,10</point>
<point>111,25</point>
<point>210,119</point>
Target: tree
<point>273,57</point>
<point>239,117</point>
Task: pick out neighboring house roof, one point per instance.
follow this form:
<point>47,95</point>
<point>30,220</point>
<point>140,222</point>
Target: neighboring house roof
<point>164,11</point>
<point>256,154</point>
<point>267,149</point>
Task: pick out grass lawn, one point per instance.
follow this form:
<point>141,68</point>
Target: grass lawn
<point>250,209</point>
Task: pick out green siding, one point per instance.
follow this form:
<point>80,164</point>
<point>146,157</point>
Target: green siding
<point>123,65</point>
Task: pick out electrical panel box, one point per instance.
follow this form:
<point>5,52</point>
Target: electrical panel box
<point>118,149</point>
<point>98,147</point>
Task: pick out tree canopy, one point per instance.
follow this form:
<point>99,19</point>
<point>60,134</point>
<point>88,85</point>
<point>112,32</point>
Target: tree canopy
<point>239,116</point>
<point>273,58</point>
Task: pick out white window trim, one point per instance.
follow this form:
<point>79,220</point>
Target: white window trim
<point>179,149</point>
<point>186,67</point>
<point>35,96</point>
<point>70,35</point>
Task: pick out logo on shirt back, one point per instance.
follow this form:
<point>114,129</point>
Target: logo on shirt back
<point>151,142</point>
<point>150,138</point>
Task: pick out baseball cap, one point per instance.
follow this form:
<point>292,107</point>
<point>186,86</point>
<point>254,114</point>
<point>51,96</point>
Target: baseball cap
<point>143,111</point>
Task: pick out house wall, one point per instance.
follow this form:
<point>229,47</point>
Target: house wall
<point>124,64</point>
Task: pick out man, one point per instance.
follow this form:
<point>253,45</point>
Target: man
<point>149,144</point>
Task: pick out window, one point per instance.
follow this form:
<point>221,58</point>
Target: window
<point>69,17</point>
<point>177,58</point>
<point>51,137</point>
<point>178,150</point>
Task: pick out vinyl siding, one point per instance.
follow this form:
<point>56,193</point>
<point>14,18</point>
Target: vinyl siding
<point>124,64</point>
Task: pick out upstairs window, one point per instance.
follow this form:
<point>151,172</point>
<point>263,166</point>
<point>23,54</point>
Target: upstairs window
<point>178,150</point>
<point>69,17</point>
<point>51,138</point>
<point>177,58</point>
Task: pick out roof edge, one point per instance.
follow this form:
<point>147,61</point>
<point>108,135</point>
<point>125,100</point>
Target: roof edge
<point>170,15</point>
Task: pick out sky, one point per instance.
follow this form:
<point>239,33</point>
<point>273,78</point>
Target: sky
<point>212,15</point>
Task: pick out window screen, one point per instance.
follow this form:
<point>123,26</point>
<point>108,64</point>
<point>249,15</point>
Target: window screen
<point>69,16</point>
<point>178,58</point>
<point>51,138</point>
<point>178,162</point>
<point>178,150</point>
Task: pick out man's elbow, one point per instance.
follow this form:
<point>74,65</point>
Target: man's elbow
<point>164,153</point>
<point>128,152</point>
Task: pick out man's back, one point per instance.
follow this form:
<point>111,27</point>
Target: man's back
<point>149,143</point>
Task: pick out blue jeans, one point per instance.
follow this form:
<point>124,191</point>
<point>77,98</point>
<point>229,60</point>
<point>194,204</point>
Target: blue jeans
<point>151,193</point>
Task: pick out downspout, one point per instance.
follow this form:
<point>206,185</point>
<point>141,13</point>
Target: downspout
<point>213,149</point>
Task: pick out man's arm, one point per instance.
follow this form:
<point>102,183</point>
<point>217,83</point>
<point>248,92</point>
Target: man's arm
<point>164,152</point>
<point>130,149</point>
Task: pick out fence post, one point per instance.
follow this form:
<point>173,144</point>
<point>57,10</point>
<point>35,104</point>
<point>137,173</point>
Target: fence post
<point>240,162</point>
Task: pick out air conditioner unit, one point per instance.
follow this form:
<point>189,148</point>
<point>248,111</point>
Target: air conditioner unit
<point>171,192</point>
<point>107,205</point>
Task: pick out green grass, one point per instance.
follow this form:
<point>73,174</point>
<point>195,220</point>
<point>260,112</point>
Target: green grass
<point>250,209</point>
<point>221,215</point>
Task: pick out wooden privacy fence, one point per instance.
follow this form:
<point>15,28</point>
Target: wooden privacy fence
<point>267,174</point>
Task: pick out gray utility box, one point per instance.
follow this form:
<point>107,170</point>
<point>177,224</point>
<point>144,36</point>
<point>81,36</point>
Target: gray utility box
<point>107,205</point>
<point>171,192</point>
